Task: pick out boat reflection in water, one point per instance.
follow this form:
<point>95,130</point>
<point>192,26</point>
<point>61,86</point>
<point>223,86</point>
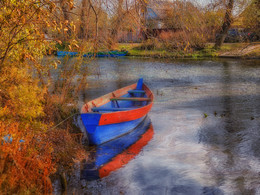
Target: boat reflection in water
<point>116,153</point>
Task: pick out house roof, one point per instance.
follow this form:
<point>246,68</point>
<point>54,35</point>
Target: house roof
<point>155,9</point>
<point>151,14</point>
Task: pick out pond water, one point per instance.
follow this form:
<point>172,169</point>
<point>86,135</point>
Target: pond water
<point>206,121</point>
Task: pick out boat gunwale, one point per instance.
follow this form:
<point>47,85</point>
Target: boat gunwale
<point>86,108</point>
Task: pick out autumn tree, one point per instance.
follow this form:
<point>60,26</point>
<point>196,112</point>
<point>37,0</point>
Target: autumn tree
<point>213,21</point>
<point>233,10</point>
<point>226,24</point>
<point>25,154</point>
<point>250,17</point>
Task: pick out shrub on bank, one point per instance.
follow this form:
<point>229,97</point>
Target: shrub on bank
<point>150,44</point>
<point>175,41</point>
<point>25,160</point>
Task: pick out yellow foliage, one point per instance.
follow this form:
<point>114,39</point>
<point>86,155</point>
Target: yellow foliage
<point>250,16</point>
<point>24,166</point>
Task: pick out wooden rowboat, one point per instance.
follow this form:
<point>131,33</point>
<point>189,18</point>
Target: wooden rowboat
<point>116,113</point>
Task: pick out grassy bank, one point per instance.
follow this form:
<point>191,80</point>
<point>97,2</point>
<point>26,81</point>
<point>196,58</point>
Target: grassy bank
<point>235,50</point>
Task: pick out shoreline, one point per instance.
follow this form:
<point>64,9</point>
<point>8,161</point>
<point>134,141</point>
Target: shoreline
<point>228,50</point>
<point>197,58</point>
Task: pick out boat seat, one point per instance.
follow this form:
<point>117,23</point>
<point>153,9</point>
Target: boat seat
<point>96,109</point>
<point>135,99</point>
<point>137,91</point>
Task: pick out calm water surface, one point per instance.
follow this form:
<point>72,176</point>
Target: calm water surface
<point>206,120</point>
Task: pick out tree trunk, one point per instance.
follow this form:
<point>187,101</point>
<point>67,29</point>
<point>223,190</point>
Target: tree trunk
<point>117,24</point>
<point>66,17</point>
<point>65,10</point>
<point>143,16</point>
<point>226,25</point>
<point>96,33</point>
<point>83,20</point>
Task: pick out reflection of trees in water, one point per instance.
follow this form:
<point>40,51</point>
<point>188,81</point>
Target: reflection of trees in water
<point>106,74</point>
<point>233,141</point>
<point>110,74</point>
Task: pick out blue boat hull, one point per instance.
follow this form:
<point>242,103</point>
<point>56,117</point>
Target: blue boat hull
<point>101,134</point>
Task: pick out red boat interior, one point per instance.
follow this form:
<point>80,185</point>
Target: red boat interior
<point>132,99</point>
<point>127,98</point>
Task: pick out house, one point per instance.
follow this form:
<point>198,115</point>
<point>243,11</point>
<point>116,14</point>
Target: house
<point>153,21</point>
<point>156,18</point>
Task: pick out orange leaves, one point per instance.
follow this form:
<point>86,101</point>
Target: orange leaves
<point>71,5</point>
<point>24,165</point>
<point>73,26</point>
<point>69,47</point>
<point>66,22</point>
<point>52,6</point>
<point>76,45</point>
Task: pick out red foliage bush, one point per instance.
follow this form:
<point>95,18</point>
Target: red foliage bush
<point>24,166</point>
<point>182,40</point>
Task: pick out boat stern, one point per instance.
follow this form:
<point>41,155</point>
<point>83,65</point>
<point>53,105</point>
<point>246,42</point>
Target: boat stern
<point>91,121</point>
